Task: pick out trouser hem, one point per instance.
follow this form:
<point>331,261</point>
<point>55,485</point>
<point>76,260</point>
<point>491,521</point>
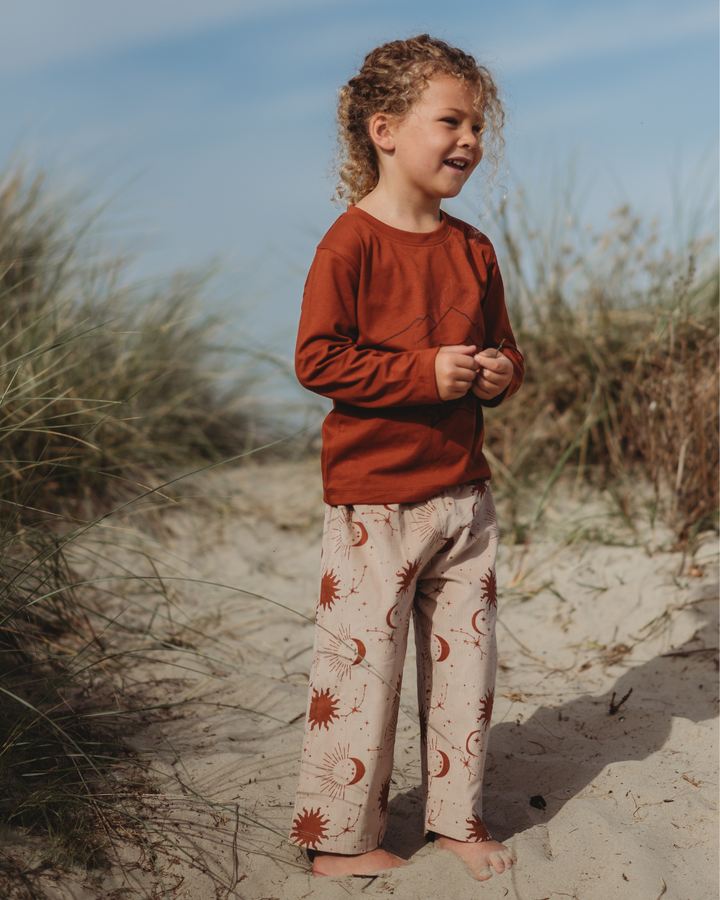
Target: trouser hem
<point>451,828</point>
<point>345,848</point>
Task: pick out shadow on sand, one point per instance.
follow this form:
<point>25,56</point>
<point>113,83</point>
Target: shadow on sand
<point>560,750</point>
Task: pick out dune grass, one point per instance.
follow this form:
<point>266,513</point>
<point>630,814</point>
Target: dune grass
<point>108,391</point>
<point>105,386</point>
<point>620,334</point>
<point>58,748</point>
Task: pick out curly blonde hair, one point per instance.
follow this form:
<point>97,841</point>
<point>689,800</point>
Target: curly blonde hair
<point>391,80</point>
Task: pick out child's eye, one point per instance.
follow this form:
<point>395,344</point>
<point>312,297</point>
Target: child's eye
<point>450,120</point>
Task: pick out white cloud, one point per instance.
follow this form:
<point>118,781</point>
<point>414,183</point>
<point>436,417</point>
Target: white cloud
<point>39,33</point>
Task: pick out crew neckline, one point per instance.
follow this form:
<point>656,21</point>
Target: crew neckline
<point>406,237</point>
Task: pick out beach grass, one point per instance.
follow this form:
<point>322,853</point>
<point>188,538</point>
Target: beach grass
<point>620,333</point>
<point>105,385</point>
<point>109,391</point>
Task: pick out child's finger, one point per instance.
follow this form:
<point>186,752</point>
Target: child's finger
<point>466,362</point>
<point>489,375</point>
<point>502,368</point>
<point>464,349</point>
<point>490,380</point>
<point>489,359</point>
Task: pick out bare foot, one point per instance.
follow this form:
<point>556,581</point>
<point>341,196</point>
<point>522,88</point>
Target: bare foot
<point>336,864</point>
<point>480,857</point>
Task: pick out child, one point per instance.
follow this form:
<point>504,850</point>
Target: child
<point>402,318</point>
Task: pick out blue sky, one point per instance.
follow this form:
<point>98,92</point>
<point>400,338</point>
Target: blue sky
<point>214,118</point>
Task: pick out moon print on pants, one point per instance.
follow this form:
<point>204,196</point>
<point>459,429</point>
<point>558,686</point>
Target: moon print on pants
<point>381,566</point>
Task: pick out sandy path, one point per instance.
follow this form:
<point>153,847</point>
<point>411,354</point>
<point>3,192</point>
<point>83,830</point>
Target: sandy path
<point>630,797</point>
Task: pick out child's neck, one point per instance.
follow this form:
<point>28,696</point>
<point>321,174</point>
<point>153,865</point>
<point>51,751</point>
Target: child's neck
<point>401,213</point>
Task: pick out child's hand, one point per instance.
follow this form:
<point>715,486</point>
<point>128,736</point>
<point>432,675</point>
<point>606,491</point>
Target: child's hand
<point>494,376</point>
<point>455,369</point>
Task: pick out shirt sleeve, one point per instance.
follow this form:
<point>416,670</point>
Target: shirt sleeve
<point>498,330</point>
<point>330,358</point>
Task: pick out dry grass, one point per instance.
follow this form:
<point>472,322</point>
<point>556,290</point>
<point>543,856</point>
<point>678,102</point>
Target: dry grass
<point>106,391</point>
<point>104,386</point>
<point>621,342</point>
<point>58,746</point>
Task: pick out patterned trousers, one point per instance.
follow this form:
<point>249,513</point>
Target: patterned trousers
<point>380,564</point>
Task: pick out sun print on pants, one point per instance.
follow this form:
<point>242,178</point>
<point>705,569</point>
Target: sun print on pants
<point>323,709</point>
<point>489,588</point>
<point>348,532</point>
<point>344,652</point>
<point>384,797</point>
<point>329,589</point>
<point>406,575</point>
<point>486,708</point>
<point>340,772</point>
<point>476,830</point>
<point>426,523</point>
<point>309,828</point>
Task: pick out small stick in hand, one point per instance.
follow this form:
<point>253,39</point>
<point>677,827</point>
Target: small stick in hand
<point>499,348</point>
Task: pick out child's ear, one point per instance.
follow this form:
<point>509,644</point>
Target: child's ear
<point>381,132</point>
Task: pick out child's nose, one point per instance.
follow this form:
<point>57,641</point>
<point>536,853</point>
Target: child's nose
<point>469,139</point>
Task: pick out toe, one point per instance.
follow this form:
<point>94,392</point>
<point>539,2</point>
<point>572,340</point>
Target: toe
<point>483,873</point>
<point>497,862</point>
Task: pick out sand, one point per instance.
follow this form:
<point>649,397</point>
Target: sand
<point>596,805</point>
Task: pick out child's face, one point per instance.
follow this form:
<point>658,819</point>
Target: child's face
<point>436,147</point>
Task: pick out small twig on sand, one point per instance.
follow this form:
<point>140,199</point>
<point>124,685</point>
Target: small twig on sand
<point>614,707</point>
<point>685,653</point>
<point>662,889</point>
<point>236,858</point>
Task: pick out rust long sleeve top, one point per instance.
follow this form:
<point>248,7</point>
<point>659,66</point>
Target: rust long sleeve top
<point>377,306</point>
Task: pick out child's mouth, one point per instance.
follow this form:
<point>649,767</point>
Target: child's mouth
<point>458,164</point>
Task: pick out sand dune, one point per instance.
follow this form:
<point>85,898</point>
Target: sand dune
<point>630,797</point>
